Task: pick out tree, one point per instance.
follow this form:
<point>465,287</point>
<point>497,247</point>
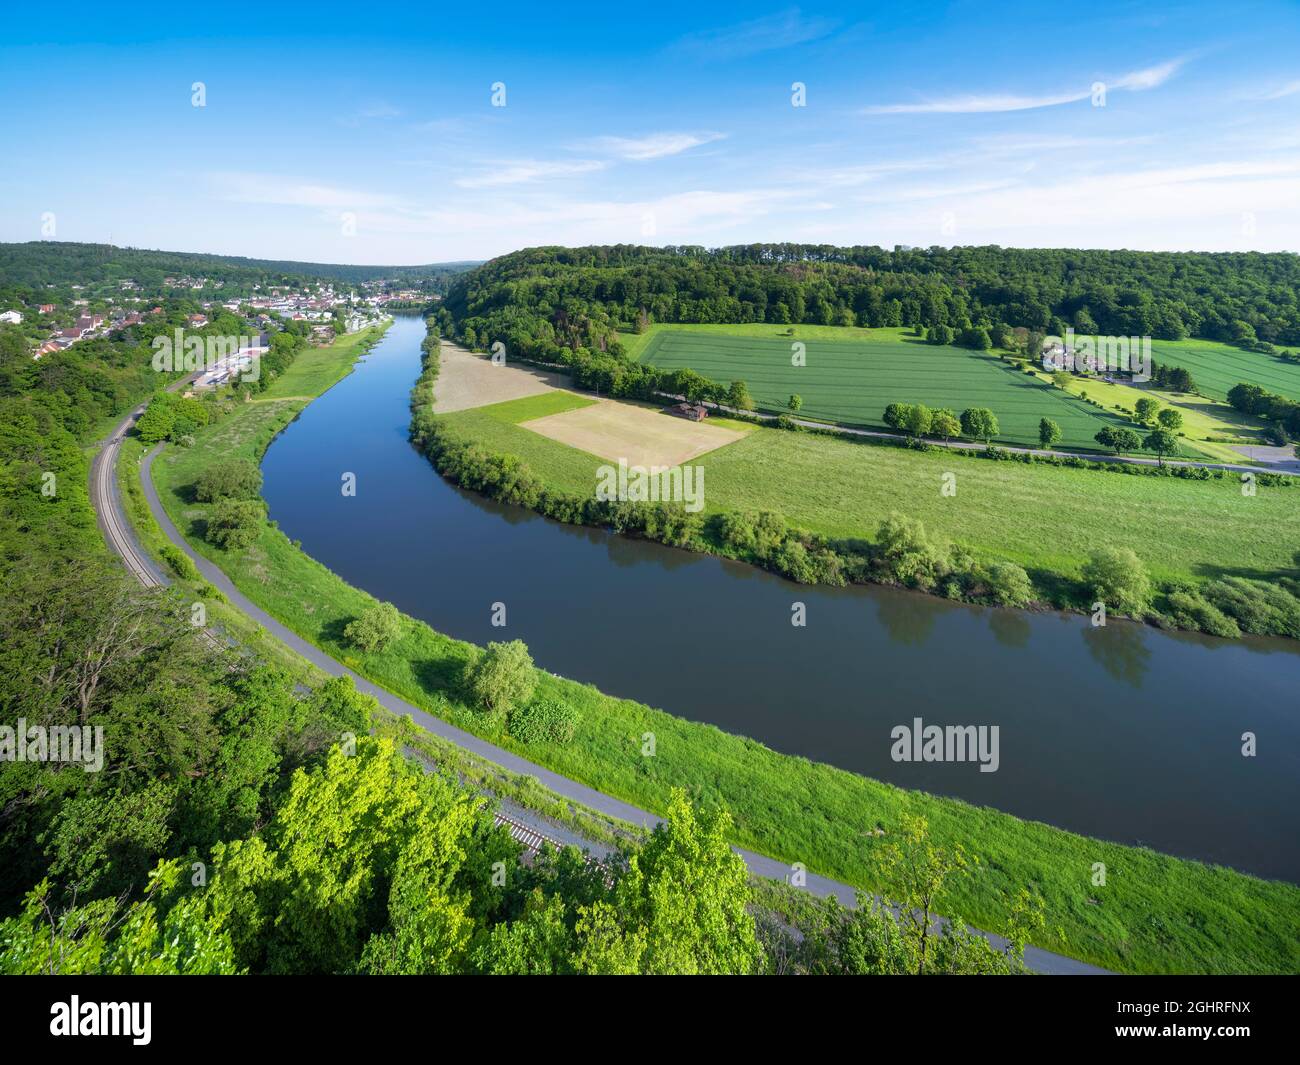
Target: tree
<point>917,419</point>
<point>796,402</point>
<point>1145,409</point>
<point>1118,438</point>
<point>979,423</point>
<point>1049,433</point>
<point>914,873</point>
<point>230,478</point>
<point>1118,578</point>
<point>374,628</point>
<point>1171,419</point>
<point>680,909</point>
<point>738,396</point>
<point>945,424</point>
<point>1162,442</point>
<point>502,677</point>
<point>894,415</point>
<point>234,524</point>
<point>155,424</point>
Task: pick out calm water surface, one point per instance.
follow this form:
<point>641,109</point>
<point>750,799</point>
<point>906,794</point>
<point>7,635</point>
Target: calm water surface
<point>1123,732</point>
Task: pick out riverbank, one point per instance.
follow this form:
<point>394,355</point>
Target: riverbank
<point>793,809</point>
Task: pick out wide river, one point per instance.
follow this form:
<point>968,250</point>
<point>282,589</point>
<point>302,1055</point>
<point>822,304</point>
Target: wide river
<point>1121,732</point>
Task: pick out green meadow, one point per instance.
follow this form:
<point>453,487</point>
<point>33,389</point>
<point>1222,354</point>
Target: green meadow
<point>850,378</point>
<point>1216,367</point>
<point>1046,518</point>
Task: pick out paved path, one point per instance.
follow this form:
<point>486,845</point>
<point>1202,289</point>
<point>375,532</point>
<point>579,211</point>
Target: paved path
<point>122,541</point>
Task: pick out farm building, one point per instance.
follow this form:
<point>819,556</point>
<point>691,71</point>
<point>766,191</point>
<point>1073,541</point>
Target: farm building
<point>696,412</point>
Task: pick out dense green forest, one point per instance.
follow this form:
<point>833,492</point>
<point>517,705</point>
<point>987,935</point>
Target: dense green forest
<point>558,303</point>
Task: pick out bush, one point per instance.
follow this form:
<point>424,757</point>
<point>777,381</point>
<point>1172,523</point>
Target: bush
<point>1259,608</point>
<point>1190,611</point>
<point>904,553</point>
<point>234,524</point>
<point>179,562</point>
<point>502,677</point>
<point>1005,583</point>
<point>544,721</point>
<point>229,479</point>
<point>374,628</point>
<point>1117,577</point>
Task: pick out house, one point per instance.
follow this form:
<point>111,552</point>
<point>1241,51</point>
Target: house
<point>13,317</point>
<point>46,348</point>
<point>47,308</point>
<point>198,320</point>
<point>696,412</point>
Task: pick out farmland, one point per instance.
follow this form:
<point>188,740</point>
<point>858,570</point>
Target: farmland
<point>1217,367</point>
<point>850,381</point>
<point>1044,518</point>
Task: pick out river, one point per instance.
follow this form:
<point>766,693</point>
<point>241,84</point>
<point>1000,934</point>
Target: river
<point>1122,732</point>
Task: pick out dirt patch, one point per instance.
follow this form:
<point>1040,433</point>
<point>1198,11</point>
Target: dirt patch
<point>467,380</point>
<point>642,436</point>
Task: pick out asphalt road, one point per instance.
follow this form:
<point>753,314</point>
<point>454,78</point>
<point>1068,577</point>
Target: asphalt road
<point>121,538</point>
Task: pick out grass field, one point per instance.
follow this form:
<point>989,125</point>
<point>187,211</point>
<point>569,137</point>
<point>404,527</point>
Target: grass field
<point>1159,914</point>
<point>1202,418</point>
<point>851,379</point>
<point>1040,516</point>
<point>1217,367</point>
<point>638,435</point>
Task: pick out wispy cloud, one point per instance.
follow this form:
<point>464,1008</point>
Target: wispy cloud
<point>782,30</point>
<point>295,192</point>
<point>522,171</point>
<point>379,109</point>
<point>653,145</point>
<point>1289,89</point>
<point>989,103</point>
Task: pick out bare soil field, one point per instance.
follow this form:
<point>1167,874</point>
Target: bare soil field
<point>642,436</point>
<point>467,380</point>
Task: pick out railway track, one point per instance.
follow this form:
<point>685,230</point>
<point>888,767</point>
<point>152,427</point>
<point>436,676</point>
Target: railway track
<point>102,486</point>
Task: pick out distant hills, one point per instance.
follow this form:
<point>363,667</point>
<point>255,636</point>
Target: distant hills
<point>47,262</point>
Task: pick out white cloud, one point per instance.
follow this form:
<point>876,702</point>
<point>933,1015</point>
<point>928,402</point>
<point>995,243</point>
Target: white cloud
<point>990,103</point>
<point>653,145</point>
<point>519,172</point>
<point>294,192</point>
<point>1289,89</point>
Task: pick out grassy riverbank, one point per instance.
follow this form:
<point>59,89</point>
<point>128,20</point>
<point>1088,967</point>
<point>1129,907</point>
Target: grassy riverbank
<point>1156,913</point>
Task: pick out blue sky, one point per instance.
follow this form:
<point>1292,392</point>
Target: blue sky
<point>367,134</point>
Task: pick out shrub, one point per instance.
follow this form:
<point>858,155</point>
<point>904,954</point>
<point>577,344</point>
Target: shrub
<point>544,721</point>
<point>502,677</point>
<point>1191,611</point>
<point>374,628</point>
<point>904,553</point>
<point>1258,608</point>
<point>228,479</point>
<point>179,562</point>
<point>234,524</point>
<point>1117,577</point>
<point>1005,583</point>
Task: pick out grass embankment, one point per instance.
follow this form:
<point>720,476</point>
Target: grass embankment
<point>1156,914</point>
<point>313,372</point>
<point>850,379</point>
<point>1046,518</point>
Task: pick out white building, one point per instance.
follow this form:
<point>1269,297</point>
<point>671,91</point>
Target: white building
<point>13,317</point>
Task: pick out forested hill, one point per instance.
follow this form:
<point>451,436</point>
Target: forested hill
<point>40,263</point>
<point>591,292</point>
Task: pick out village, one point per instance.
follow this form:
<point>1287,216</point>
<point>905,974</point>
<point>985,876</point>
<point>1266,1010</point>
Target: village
<point>330,311</point>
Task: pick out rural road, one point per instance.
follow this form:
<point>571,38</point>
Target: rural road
<point>121,539</point>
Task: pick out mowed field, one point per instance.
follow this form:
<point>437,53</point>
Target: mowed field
<point>851,381</point>
<point>1043,517</point>
<point>1216,367</point>
<point>637,435</point>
